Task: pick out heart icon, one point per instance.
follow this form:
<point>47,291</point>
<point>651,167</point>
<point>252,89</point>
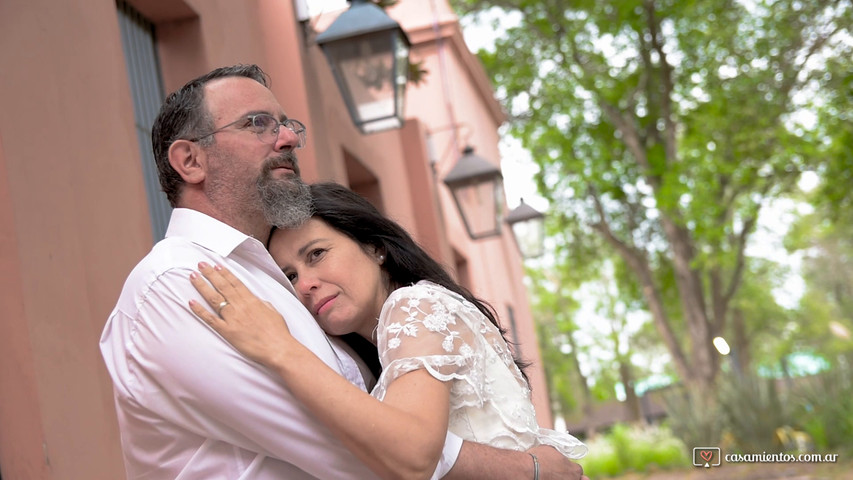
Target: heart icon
<point>706,455</point>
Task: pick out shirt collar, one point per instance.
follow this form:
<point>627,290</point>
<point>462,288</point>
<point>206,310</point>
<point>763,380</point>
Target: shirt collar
<point>206,231</point>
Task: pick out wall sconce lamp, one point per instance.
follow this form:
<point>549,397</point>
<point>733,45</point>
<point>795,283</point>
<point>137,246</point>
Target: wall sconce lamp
<point>369,56</point>
<point>528,227</point>
<point>476,187</point>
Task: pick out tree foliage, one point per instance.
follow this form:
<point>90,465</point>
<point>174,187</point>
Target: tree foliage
<point>568,386</point>
<point>824,237</point>
<point>661,128</point>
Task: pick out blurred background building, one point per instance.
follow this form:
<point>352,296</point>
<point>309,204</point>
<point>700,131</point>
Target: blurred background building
<point>80,203</point>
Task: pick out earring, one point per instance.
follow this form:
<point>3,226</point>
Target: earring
<point>381,259</point>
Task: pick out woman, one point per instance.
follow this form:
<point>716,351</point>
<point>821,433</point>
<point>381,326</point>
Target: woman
<point>445,363</point>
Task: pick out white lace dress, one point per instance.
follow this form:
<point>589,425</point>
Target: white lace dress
<point>426,326</point>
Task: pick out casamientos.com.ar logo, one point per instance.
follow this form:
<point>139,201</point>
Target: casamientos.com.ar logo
<point>708,457</point>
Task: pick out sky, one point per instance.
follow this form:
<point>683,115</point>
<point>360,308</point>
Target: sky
<point>316,7</point>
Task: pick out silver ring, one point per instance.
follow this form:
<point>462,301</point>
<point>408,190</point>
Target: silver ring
<point>222,304</point>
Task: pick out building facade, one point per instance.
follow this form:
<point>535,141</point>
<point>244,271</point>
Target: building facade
<point>80,85</point>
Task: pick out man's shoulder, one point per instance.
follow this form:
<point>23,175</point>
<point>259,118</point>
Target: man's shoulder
<point>174,255</point>
<point>169,254</point>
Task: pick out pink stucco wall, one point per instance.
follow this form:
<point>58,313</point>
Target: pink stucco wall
<point>74,222</point>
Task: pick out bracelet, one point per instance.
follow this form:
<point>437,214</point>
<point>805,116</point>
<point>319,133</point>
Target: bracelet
<point>535,466</point>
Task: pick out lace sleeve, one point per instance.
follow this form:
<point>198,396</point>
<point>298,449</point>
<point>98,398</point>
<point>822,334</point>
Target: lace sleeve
<point>427,327</point>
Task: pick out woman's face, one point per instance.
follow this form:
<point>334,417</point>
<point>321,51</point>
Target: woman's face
<point>339,282</point>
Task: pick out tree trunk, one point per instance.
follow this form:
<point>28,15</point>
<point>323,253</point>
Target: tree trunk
<point>632,402</point>
<point>704,360</point>
<point>586,394</point>
<point>639,264</point>
<point>741,341</point>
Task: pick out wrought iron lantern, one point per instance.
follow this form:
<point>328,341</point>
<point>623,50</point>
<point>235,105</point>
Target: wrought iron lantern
<point>476,186</point>
<point>369,56</point>
<point>528,227</point>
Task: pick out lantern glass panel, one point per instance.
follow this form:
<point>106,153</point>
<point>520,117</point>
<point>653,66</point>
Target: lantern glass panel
<point>479,204</point>
<point>530,235</point>
<point>373,70</point>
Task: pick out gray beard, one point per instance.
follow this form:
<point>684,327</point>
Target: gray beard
<point>286,203</point>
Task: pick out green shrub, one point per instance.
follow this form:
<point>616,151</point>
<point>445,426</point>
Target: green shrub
<point>601,459</point>
<point>741,415</point>
<point>824,409</point>
<point>695,420</point>
<point>746,413</point>
<point>751,412</point>
<point>637,449</point>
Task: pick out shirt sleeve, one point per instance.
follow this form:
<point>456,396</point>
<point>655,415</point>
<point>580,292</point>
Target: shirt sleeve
<point>181,369</point>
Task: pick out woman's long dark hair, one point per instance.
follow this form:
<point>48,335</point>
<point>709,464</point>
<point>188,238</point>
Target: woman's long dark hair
<point>406,263</point>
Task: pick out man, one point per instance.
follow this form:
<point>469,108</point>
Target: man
<point>188,404</point>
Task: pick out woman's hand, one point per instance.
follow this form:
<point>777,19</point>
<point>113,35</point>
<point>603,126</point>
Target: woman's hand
<point>251,325</point>
<point>401,437</point>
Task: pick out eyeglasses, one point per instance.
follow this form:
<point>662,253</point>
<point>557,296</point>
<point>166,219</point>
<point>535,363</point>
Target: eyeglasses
<point>266,127</point>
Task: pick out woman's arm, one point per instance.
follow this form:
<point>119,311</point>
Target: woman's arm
<point>400,437</point>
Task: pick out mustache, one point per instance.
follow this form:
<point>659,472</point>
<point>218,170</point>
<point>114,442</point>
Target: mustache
<point>286,160</point>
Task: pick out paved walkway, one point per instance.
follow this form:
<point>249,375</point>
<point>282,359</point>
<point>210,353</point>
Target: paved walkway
<point>765,471</point>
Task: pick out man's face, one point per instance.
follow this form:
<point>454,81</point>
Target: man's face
<point>246,173</point>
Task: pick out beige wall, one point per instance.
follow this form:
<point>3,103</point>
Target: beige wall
<point>75,217</point>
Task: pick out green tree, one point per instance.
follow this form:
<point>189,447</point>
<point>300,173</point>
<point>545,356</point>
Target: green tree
<point>573,391</point>
<point>661,128</point>
<point>568,387</point>
<point>568,339</point>
<point>622,354</point>
<point>760,333</point>
<point>825,315</point>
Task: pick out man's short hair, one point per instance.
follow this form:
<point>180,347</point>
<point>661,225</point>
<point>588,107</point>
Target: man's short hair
<point>184,115</point>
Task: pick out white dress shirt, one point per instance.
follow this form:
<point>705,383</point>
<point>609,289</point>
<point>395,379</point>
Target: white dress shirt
<point>189,405</point>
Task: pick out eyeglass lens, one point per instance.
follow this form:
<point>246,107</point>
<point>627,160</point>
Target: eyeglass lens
<point>267,128</point>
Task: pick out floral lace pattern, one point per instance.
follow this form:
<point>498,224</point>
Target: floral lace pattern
<point>425,326</point>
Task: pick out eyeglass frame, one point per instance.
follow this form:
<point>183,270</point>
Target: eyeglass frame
<point>301,131</point>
